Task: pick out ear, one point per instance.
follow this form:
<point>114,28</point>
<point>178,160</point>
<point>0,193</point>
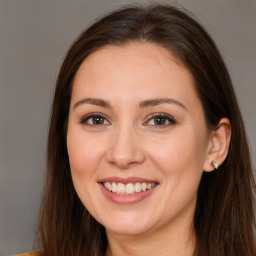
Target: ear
<point>218,145</point>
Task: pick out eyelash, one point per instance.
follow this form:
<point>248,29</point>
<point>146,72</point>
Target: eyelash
<point>166,117</point>
<point>85,119</point>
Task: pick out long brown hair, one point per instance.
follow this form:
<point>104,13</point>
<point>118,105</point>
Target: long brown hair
<point>224,214</point>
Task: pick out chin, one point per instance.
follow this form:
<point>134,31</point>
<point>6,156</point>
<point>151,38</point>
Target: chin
<point>125,229</point>
<point>126,225</point>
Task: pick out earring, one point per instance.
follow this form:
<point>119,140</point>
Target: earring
<point>214,164</point>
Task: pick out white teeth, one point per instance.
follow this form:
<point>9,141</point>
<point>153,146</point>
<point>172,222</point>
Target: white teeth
<point>120,188</point>
<point>137,187</point>
<point>144,186</point>
<point>128,189</point>
<point>114,187</point>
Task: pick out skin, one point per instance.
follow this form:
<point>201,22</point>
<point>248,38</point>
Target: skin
<point>129,143</point>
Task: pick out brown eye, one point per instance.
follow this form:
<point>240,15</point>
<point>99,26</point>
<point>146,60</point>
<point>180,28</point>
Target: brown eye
<point>98,120</point>
<point>160,120</point>
<point>95,120</point>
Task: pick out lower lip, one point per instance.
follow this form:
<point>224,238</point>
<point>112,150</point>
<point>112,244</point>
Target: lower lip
<point>126,199</point>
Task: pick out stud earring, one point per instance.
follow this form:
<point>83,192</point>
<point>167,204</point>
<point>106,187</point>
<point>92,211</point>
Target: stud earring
<point>214,164</point>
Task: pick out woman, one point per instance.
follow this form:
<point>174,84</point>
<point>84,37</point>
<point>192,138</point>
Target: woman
<point>147,152</point>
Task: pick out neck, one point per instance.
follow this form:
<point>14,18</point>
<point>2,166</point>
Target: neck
<point>171,240</point>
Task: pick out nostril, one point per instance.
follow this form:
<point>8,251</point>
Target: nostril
<point>124,151</point>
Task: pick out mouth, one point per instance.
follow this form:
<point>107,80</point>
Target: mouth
<point>127,191</point>
<point>129,188</point>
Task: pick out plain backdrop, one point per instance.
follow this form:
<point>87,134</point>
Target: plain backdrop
<point>34,36</point>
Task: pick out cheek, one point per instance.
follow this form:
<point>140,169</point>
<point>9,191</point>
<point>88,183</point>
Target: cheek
<point>84,158</point>
<point>177,150</point>
<point>83,153</point>
<point>180,158</point>
<point>180,161</point>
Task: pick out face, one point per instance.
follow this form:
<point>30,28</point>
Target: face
<point>137,139</point>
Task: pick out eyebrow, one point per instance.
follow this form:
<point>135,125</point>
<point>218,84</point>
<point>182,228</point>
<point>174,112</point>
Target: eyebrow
<point>92,101</point>
<point>158,101</point>
<point>143,104</point>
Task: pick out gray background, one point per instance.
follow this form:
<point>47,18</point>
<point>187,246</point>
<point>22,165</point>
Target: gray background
<point>34,36</point>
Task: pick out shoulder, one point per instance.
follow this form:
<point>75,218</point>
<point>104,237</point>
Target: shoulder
<point>34,253</point>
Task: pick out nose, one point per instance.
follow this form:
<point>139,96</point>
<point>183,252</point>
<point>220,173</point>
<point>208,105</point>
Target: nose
<point>125,150</point>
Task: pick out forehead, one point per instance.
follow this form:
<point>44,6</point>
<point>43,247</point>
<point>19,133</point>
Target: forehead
<point>137,70</point>
<point>140,53</point>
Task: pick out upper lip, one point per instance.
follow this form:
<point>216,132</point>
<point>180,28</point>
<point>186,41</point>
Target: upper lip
<point>127,180</point>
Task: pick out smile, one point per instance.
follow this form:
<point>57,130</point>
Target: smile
<point>129,188</point>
